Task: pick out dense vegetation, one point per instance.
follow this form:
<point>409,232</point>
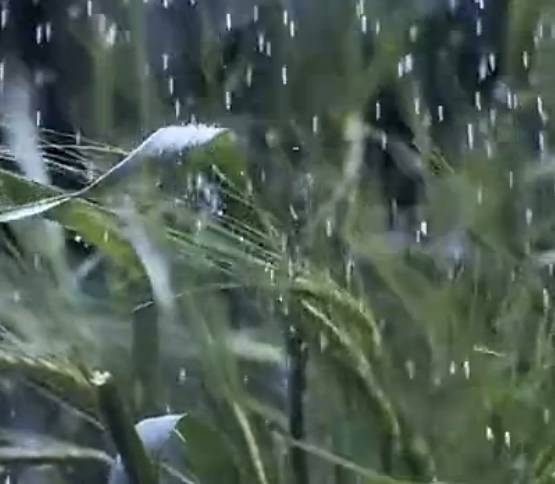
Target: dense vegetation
<point>351,283</point>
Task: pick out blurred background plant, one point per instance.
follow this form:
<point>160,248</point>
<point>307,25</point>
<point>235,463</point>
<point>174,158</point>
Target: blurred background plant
<point>351,283</point>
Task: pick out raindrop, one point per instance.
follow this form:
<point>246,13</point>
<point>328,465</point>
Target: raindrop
<point>492,61</point>
<point>48,31</point>
<point>510,99</point>
<point>489,149</point>
<point>378,110</point>
<point>479,27</point>
<point>255,13</point>
<point>228,100</point>
<point>480,195</point>
<point>349,269</point>
<point>526,59</point>
<point>529,216</point>
<point>89,8</point>
<point>546,299</point>
<point>483,68</point>
<point>38,34</point>
<point>36,261</point>
<point>507,439</point>
<point>199,225</point>
<point>511,179</point>
<point>492,116</point>
<point>284,75</point>
<point>315,124</point>
<point>384,140</point>
<point>38,118</point>
<point>440,113</point>
<point>261,41</point>
<point>489,433</point>
<point>248,76</point>
<point>377,27</point>
<point>3,17</point>
<point>109,34</point>
<point>228,21</point>
<point>424,228</point>
<point>285,17</point>
<point>417,106</point>
<point>541,141</point>
<point>452,368</point>
<point>466,369</point>
<point>364,24</point>
<point>515,101</point>
<point>541,110</point>
<point>540,33</point>
<point>470,135</point>
<point>171,85</point>
<point>324,342</point>
<point>292,29</point>
<point>182,375</point>
<point>177,108</point>
<point>329,227</point>
<point>290,268</point>
<point>408,62</point>
<point>410,367</point>
<point>165,61</point>
<point>413,33</point>
<point>478,100</point>
<point>394,208</point>
<point>546,415</point>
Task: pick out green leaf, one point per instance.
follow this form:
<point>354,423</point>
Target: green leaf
<point>95,224</point>
<point>209,456</point>
<point>225,153</point>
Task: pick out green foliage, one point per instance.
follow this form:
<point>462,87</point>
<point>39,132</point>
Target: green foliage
<point>422,366</point>
<point>207,453</point>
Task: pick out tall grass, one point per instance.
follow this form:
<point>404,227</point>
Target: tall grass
<point>427,357</point>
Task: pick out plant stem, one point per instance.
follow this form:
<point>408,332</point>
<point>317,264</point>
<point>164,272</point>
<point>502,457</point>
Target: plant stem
<point>134,458</point>
<point>297,353</point>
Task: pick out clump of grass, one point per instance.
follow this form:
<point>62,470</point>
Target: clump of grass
<point>425,360</point>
